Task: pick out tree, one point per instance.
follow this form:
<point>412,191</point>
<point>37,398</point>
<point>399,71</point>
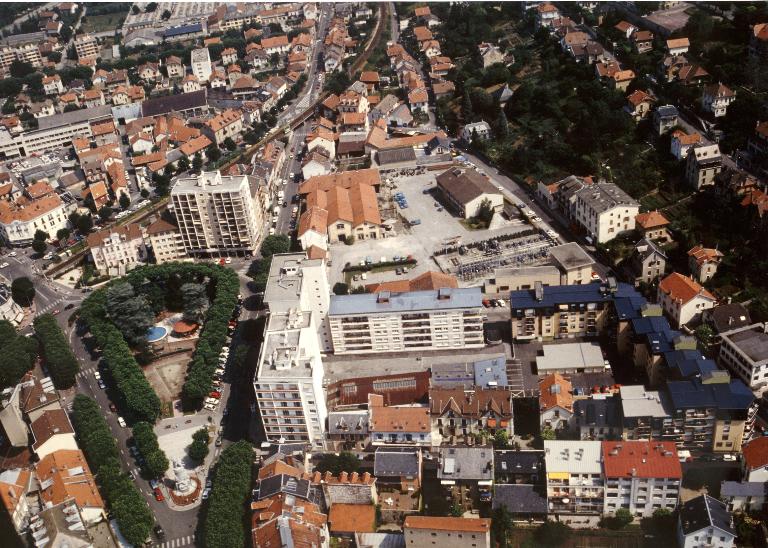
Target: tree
<point>456,510</point>
<point>340,288</point>
<point>183,165</point>
<point>502,126</point>
<point>276,243</point>
<point>20,69</point>
<point>195,301</point>
<point>23,291</point>
<point>197,163</point>
<point>125,200</point>
<point>231,487</point>
<point>552,533</point>
<point>547,433</point>
<point>146,442</point>
<point>17,356</point>
<point>466,108</point>
<point>166,15</point>
<point>198,449</point>
<point>84,223</point>
<point>63,235</point>
<point>39,246</point>
<point>229,144</point>
<point>623,518</point>
<point>213,153</point>
<point>151,7</point>
<point>130,313</point>
<point>41,235</point>
<point>705,335</point>
<point>500,439</point>
<point>135,9</point>
<point>485,212</point>
<point>105,212</point>
<point>56,352</point>
<point>144,193</point>
<point>336,464</point>
<point>501,524</point>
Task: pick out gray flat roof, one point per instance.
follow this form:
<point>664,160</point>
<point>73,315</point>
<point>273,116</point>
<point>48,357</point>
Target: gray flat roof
<point>751,340</point>
<point>466,463</point>
<point>636,401</point>
<point>285,279</point>
<point>570,256</point>
<point>74,117</point>
<point>569,355</point>
<point>410,301</point>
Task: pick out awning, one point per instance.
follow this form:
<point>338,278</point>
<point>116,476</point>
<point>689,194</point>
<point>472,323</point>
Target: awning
<point>447,482</point>
<point>485,482</point>
<point>559,475</point>
<point>492,423</point>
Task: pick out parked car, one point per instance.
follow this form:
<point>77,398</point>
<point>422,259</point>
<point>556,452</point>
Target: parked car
<point>215,394</point>
<point>121,421</point>
<point>112,407</point>
<point>97,375</point>
<point>154,484</point>
<point>158,494</point>
<point>159,532</point>
<point>205,494</point>
<point>102,385</point>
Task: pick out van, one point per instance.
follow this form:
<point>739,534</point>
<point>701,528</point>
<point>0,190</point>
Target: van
<point>276,210</point>
<point>684,456</point>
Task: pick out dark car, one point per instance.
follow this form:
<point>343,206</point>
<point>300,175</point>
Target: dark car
<point>70,306</point>
<point>159,532</point>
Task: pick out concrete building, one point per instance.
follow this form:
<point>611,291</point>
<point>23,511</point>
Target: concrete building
<point>702,165</point>
<point>648,262</point>
<point>447,532</point>
<point>754,466</point>
<point>166,242</point>
<point>9,310</point>
<point>603,210</point>
<point>597,417</point>
<point>516,278</point>
<point>65,475</point>
<point>26,53</point>
<point>574,263</point>
<point>15,485</point>
<point>704,522</point>
<point>19,220</point>
<point>716,99</point>
<point>555,402</point>
<point>201,64</point>
<point>683,299</point>
<point>52,431</point>
<point>26,402</point>
<point>744,352</point>
<point>644,413</point>
<point>457,413</point>
<point>227,125</point>
<point>477,130</point>
<point>575,483</point>
<point>398,425</point>
<point>86,47</point>
<point>416,320</point>
<point>746,497</point>
<point>570,358</point>
<point>217,214</point>
<point>641,476</point>
<point>117,250</point>
<point>466,190</point>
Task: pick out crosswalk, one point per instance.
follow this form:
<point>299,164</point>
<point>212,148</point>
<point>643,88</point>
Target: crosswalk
<point>189,540</point>
<point>50,306</point>
<point>84,373</point>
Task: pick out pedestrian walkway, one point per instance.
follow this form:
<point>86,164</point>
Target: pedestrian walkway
<point>50,306</point>
<point>189,540</point>
<point>83,373</point>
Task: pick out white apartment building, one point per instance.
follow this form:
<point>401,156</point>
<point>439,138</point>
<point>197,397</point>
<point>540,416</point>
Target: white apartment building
<point>289,374</point>
<point>165,241</point>
<point>18,223</point>
<point>52,85</point>
<point>53,132</point>
<point>86,46</point>
<point>117,250</point>
<point>415,320</point>
<point>603,210</point>
<point>217,214</point>
<point>641,476</point>
<point>575,483</point>
<point>292,276</point>
<point>683,299</point>
<point>201,64</point>
<point>744,351</point>
<point>716,99</point>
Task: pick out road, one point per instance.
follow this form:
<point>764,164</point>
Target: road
<point>550,220</point>
<point>394,24</point>
<point>49,295</point>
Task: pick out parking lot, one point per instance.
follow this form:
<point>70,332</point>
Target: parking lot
<point>436,227</point>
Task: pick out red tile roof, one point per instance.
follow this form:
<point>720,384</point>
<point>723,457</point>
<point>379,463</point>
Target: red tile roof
<point>348,518</point>
<point>642,459</point>
<point>704,255</point>
<point>756,453</point>
<point>651,219</point>
<point>562,397</point>
<point>469,525</point>
<point>683,289</point>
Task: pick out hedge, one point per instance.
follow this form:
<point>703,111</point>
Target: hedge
<point>59,359</point>
<point>231,487</point>
<point>150,280</point>
<point>131,511</point>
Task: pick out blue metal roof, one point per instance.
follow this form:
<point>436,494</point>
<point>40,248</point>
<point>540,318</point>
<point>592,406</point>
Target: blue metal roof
<point>629,306</point>
<point>568,294</point>
<point>693,394</point>
<point>656,331</point>
<point>183,29</point>
<point>685,364</point>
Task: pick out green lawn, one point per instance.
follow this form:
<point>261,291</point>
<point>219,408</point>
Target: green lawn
<point>101,23</point>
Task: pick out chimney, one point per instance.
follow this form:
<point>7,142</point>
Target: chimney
<point>366,477</point>
<point>343,477</point>
<point>327,476</point>
<point>316,477</point>
<point>355,477</point>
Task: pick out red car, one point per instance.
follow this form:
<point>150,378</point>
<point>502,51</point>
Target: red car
<point>159,495</point>
<point>215,394</point>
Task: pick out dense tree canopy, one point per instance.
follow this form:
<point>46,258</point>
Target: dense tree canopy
<point>198,449</point>
<point>223,525</point>
<point>23,291</point>
<point>58,357</point>
<point>17,356</point>
<point>146,442</point>
<point>336,464</point>
<point>131,313</point>
<point>195,301</point>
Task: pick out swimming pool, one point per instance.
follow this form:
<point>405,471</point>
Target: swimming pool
<point>156,333</point>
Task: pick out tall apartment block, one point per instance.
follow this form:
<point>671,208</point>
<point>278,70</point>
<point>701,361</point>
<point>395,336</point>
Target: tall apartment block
<point>566,311</point>
<point>201,64</point>
<point>641,476</point>
<point>744,351</point>
<point>414,320</point>
<point>217,214</point>
<point>289,374</point>
<point>575,483</point>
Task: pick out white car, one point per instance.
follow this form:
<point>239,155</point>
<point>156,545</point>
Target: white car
<point>271,231</point>
<point>501,302</point>
<point>728,457</point>
<point>121,421</point>
<point>97,375</point>
<point>12,254</point>
<point>228,260</point>
<point>3,265</point>
<point>209,407</point>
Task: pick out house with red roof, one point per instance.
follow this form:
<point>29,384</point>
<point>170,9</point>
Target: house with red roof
<point>703,262</point>
<point>647,474</point>
<point>754,463</point>
<point>683,299</point>
<point>653,225</point>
